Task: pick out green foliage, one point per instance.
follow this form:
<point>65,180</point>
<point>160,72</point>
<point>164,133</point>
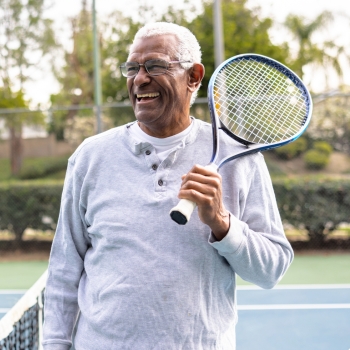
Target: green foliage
<point>43,167</point>
<point>29,36</point>
<point>317,205</point>
<point>244,32</point>
<point>315,159</point>
<point>26,37</point>
<point>292,149</point>
<point>14,100</point>
<point>323,147</point>
<point>331,119</point>
<point>35,168</point>
<point>77,75</point>
<point>309,51</point>
<point>27,205</point>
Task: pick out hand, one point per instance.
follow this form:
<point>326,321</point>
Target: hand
<point>203,186</point>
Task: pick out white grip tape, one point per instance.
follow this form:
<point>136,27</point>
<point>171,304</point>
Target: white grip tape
<point>185,206</point>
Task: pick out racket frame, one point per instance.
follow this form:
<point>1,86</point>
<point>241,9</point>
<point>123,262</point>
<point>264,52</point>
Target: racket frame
<point>249,147</point>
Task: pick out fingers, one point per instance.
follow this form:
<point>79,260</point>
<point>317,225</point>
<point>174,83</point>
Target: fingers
<point>203,186</point>
<point>200,181</point>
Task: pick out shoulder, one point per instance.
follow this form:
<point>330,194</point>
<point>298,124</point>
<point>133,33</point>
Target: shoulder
<point>98,145</point>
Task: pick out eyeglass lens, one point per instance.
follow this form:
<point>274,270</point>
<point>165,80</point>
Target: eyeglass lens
<point>153,67</point>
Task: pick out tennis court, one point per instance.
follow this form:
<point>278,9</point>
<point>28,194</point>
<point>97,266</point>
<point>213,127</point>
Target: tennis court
<point>290,316</point>
<point>311,317</point>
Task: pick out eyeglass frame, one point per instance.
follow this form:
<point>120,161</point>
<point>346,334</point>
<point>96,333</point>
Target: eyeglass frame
<point>123,65</point>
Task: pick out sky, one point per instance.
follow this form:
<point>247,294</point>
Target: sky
<point>44,83</point>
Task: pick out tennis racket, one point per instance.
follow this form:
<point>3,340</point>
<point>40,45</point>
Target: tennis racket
<point>258,102</point>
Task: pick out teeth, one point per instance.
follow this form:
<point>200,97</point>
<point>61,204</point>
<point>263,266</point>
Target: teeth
<point>153,94</point>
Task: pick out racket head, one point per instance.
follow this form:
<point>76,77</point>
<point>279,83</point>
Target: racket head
<point>258,101</point>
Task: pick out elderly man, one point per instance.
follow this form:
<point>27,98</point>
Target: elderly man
<point>121,271</point>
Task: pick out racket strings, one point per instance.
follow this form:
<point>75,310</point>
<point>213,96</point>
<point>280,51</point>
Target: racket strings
<point>258,103</point>
<point>264,127</point>
<point>264,109</point>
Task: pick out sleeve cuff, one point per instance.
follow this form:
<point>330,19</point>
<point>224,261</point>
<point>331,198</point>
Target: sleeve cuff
<point>234,238</point>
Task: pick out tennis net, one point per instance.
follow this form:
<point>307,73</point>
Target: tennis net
<point>21,327</point>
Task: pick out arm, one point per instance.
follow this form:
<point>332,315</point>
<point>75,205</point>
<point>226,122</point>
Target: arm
<point>254,244</point>
<point>65,267</point>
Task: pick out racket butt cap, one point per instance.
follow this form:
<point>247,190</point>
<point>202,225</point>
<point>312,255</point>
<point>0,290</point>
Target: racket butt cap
<point>178,217</point>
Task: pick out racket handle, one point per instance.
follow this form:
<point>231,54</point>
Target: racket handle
<point>183,211</point>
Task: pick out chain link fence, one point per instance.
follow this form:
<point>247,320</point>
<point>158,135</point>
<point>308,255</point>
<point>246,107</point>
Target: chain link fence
<point>314,208</point>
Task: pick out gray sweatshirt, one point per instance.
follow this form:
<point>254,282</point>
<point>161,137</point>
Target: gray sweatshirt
<point>139,280</point>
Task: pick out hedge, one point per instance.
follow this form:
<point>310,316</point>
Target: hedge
<point>315,159</point>
<point>292,149</point>
<point>28,205</point>
<point>318,205</point>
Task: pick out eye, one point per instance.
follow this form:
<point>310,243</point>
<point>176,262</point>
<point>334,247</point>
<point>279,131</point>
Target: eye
<point>156,66</point>
<point>131,68</point>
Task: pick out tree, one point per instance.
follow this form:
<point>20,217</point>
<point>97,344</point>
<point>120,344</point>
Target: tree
<point>14,122</point>
<point>250,34</point>
<point>76,76</point>
<point>325,54</point>
<point>26,36</point>
<point>244,32</point>
<point>331,119</point>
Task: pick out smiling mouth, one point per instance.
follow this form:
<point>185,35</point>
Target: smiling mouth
<point>146,97</point>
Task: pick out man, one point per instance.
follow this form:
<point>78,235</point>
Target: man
<point>137,279</point>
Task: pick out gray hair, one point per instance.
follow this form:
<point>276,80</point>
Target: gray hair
<point>188,48</point>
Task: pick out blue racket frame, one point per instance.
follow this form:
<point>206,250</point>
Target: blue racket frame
<point>249,146</point>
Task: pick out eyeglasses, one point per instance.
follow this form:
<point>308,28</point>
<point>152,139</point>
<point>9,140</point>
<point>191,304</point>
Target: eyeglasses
<point>153,67</point>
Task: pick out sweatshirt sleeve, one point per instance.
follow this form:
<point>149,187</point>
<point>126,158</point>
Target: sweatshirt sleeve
<point>66,266</point>
<point>256,246</point>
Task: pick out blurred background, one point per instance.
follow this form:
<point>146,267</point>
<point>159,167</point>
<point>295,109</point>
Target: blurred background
<point>60,83</point>
<point>50,100</point>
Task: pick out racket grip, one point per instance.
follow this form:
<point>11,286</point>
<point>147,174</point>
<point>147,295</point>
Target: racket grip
<point>182,212</point>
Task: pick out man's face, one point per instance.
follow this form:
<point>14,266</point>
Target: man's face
<point>161,103</point>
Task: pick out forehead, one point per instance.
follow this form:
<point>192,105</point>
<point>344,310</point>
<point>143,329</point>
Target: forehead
<point>162,46</point>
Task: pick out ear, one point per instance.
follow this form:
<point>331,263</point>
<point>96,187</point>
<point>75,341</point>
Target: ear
<point>196,74</point>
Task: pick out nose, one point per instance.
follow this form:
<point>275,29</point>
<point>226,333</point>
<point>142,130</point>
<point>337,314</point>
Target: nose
<point>142,77</point>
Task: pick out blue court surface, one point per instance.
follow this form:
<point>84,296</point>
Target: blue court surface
<point>296,317</point>
<point>8,298</point>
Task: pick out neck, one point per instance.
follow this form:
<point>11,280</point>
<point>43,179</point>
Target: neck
<point>163,132</point>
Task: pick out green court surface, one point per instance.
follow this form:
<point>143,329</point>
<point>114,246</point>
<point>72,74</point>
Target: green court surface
<point>317,269</point>
<point>305,269</point>
<point>20,274</point>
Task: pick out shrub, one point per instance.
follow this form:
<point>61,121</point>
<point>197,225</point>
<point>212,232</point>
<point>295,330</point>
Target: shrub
<point>315,159</point>
<point>293,149</point>
<point>42,167</point>
<point>317,205</point>
<point>26,205</point>
<point>324,147</point>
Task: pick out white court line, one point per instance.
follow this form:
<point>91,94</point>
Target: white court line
<point>298,286</point>
<point>3,310</point>
<point>293,307</point>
